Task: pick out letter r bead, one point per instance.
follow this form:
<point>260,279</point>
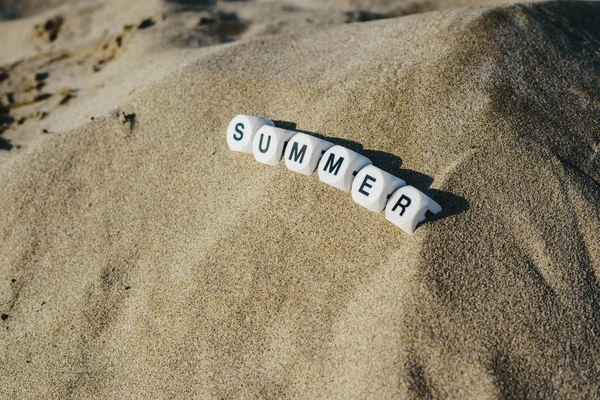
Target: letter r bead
<point>407,207</point>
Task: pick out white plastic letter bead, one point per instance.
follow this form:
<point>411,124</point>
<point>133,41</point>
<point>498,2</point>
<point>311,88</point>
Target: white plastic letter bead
<point>241,131</point>
<point>407,207</point>
<point>303,153</point>
<point>269,142</point>
<point>339,165</point>
<point>373,186</point>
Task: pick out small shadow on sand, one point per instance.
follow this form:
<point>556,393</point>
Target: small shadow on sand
<point>451,203</point>
<point>226,25</point>
<point>191,5</point>
<point>5,144</point>
<point>9,15</point>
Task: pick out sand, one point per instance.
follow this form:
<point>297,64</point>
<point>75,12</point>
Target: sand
<point>140,258</point>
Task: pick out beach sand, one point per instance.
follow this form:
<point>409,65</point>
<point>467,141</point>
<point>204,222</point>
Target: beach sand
<point>141,258</point>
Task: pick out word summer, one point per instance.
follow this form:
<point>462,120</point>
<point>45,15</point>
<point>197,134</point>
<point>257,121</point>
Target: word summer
<point>371,187</point>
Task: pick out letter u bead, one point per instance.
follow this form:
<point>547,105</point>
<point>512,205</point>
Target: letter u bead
<point>269,143</point>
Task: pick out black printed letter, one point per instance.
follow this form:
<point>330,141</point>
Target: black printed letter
<point>366,184</point>
<point>402,206</point>
<point>297,155</point>
<point>238,129</point>
<point>262,135</point>
<point>333,166</point>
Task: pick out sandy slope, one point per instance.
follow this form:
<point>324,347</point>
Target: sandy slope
<point>65,62</point>
<point>142,258</point>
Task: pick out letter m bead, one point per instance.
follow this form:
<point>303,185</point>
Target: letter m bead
<point>303,153</point>
<point>339,166</point>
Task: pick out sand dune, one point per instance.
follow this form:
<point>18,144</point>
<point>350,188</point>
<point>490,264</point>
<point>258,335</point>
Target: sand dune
<point>66,62</point>
<point>141,258</point>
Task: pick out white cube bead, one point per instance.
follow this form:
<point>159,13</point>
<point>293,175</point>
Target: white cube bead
<point>407,207</point>
<point>269,143</point>
<point>303,153</point>
<point>339,166</point>
<point>373,186</point>
<point>241,131</point>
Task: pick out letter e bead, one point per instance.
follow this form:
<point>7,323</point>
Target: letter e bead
<point>372,187</point>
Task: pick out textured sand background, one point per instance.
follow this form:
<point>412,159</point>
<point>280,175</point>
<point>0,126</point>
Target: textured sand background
<point>140,258</point>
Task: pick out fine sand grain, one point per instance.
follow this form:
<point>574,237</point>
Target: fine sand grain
<point>140,258</point>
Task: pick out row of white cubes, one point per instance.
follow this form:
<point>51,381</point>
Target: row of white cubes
<point>342,168</point>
